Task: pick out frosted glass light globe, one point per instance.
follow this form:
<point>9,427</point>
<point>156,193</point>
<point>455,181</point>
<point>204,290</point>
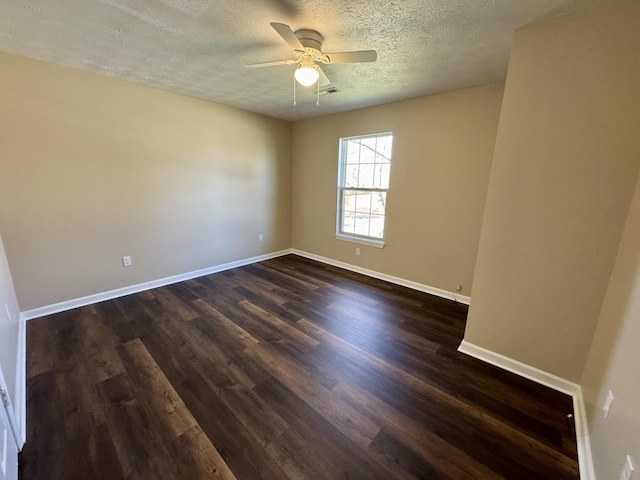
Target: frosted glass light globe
<point>306,76</point>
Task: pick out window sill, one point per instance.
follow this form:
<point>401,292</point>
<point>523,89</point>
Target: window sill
<point>362,241</point>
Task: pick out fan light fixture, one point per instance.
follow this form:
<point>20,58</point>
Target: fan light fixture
<point>306,75</point>
<point>307,52</point>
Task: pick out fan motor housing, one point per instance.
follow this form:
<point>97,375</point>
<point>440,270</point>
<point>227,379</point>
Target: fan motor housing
<point>310,39</point>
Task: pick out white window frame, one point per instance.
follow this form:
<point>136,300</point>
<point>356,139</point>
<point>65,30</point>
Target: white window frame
<point>353,237</point>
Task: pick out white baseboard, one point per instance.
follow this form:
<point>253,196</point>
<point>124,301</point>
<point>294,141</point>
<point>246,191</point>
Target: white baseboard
<point>21,383</point>
<point>519,368</point>
<point>388,278</point>
<point>120,292</point>
<point>585,459</point>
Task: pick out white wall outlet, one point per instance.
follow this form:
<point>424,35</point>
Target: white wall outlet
<point>607,404</point>
<point>6,307</point>
<point>126,261</point>
<point>458,287</point>
<point>628,469</point>
<point>358,252</point>
<point>259,237</point>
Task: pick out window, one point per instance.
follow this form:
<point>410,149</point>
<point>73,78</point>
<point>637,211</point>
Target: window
<point>363,183</point>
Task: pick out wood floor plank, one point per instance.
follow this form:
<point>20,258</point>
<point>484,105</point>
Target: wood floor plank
<point>320,449</point>
<point>218,362</point>
<point>39,347</point>
<point>223,326</point>
<point>78,397</point>
<point>162,346</point>
<point>116,321</point>
<point>196,457</point>
<point>240,449</point>
<point>137,440</point>
<point>283,328</point>
<point>406,462</point>
<point>340,414</point>
<point>442,457</point>
<point>253,284</point>
<point>81,458</point>
<point>284,369</point>
<point>150,386</point>
<point>173,305</point>
<point>46,436</point>
<point>97,344</point>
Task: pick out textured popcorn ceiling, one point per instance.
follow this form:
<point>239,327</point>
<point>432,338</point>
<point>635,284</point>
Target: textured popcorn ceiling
<point>199,47</point>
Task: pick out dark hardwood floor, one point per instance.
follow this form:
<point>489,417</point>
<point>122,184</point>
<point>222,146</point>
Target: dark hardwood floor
<point>285,369</point>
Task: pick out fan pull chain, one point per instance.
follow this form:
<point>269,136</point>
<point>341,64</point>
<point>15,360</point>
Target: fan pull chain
<point>294,91</point>
<point>318,100</point>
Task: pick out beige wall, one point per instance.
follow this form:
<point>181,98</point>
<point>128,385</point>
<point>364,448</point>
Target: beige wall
<point>564,169</point>
<point>442,153</point>
<point>94,169</point>
<point>614,358</point>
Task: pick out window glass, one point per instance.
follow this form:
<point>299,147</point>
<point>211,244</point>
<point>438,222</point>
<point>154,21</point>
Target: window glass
<point>363,184</point>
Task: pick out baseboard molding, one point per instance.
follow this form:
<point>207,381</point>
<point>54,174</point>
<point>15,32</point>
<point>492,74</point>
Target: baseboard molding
<point>585,459</point>
<point>21,383</point>
<point>121,292</point>
<point>519,368</point>
<point>388,278</point>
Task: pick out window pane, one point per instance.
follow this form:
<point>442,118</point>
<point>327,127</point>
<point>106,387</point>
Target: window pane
<point>349,201</point>
<point>348,222</point>
<point>382,175</point>
<point>353,151</point>
<point>383,149</point>
<point>376,226</point>
<point>363,202</point>
<point>378,202</point>
<point>368,150</point>
<point>362,225</point>
<point>351,175</point>
<point>365,177</point>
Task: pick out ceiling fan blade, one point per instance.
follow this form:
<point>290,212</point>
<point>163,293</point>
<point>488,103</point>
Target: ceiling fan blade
<point>323,79</point>
<point>272,64</point>
<point>288,36</point>
<point>350,57</point>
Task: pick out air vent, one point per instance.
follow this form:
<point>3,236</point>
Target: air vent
<point>329,91</point>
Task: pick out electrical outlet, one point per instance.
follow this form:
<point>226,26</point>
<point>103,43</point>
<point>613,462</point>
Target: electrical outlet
<point>259,237</point>
<point>126,261</point>
<point>358,252</point>
<point>628,469</point>
<point>458,287</point>
<point>607,404</point>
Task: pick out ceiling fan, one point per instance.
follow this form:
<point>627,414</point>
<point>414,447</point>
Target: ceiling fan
<point>307,49</point>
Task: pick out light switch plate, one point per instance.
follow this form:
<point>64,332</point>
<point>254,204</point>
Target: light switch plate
<point>628,469</point>
<point>607,404</point>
